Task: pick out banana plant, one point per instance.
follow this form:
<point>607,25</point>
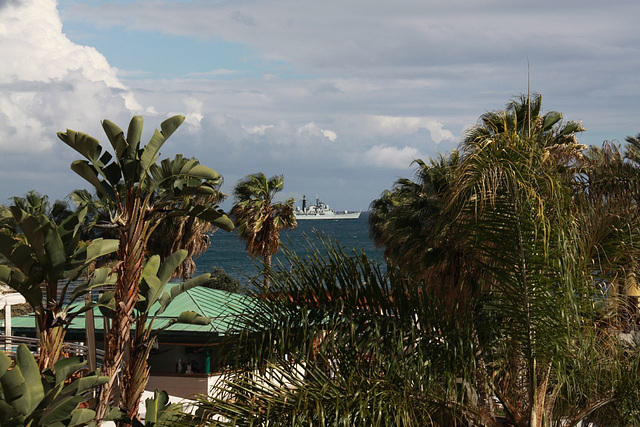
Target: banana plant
<point>139,194</point>
<point>29,397</point>
<point>43,261</point>
<point>159,411</point>
<point>153,300</point>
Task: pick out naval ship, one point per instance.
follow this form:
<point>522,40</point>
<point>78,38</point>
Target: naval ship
<point>321,211</point>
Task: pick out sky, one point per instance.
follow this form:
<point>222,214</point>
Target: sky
<point>338,96</point>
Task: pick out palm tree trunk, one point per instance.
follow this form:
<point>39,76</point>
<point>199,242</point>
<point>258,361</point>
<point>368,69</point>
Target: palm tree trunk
<point>130,255</point>
<point>267,272</point>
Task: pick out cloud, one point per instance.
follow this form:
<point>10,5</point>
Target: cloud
<point>330,135</point>
<point>373,34</point>
<point>48,82</point>
<point>410,125</point>
<point>451,60</point>
<point>392,157</point>
<point>214,73</point>
<point>193,114</point>
<point>311,130</point>
<point>258,129</point>
<point>338,96</point>
<point>4,3</point>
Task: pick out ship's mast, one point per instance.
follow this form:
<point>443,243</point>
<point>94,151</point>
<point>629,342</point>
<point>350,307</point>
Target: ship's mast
<point>304,203</point>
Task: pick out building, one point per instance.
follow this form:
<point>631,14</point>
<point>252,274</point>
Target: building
<point>183,362</point>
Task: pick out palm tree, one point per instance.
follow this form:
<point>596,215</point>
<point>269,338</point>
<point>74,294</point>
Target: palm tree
<point>188,233</point>
<point>139,194</point>
<point>421,223</point>
<point>258,218</point>
<point>534,230</point>
<point>342,342</point>
<point>417,231</point>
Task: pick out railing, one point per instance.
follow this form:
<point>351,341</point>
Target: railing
<point>10,344</point>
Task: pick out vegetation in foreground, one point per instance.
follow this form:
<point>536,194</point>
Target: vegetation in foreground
<point>508,298</point>
<point>505,301</point>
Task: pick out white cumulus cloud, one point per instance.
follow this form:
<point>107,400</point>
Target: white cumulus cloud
<point>392,157</point>
<point>313,130</point>
<point>410,125</point>
<point>48,83</point>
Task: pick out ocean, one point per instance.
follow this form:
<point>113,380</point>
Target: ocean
<point>227,250</point>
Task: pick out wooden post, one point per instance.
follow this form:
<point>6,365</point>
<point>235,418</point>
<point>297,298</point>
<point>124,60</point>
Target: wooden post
<point>90,327</point>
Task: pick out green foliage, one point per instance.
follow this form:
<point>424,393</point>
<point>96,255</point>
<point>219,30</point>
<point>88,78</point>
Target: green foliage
<point>153,300</point>
<point>134,166</point>
<point>501,299</point>
<point>29,397</point>
<point>36,204</point>
<point>159,412</point>
<point>258,218</point>
<point>43,260</point>
<point>139,194</point>
<point>333,330</point>
<point>339,341</point>
<point>221,280</point>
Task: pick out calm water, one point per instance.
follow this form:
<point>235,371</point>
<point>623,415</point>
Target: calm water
<point>227,249</point>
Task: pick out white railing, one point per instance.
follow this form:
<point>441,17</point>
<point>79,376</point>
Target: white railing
<point>10,344</point>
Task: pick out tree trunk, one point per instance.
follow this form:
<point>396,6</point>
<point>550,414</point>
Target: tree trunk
<point>51,345</point>
<point>267,273</point>
<point>130,256</point>
<point>136,375</point>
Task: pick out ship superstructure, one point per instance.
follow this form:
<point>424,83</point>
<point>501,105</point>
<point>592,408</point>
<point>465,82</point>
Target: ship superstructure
<point>321,210</point>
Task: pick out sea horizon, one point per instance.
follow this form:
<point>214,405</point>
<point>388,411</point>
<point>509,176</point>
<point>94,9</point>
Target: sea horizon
<point>227,249</point>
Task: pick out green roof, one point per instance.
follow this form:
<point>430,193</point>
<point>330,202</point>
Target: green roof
<point>221,306</point>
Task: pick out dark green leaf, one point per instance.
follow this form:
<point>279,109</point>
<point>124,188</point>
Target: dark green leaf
<point>65,367</point>
<point>155,406</point>
<point>16,391</point>
<point>170,264</point>
<point>116,137</point>
<point>31,373</point>
<point>176,290</point>
<point>81,416</point>
<point>5,363</point>
<point>88,172</point>
<point>60,409</point>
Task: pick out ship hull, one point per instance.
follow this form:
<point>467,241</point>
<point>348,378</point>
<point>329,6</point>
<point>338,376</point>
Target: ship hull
<point>350,215</point>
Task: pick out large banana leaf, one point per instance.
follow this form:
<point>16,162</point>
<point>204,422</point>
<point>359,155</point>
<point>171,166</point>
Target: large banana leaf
<point>17,281</point>
<point>16,391</point>
<point>30,397</point>
<point>90,174</point>
<point>116,135</point>
<point>159,410</point>
<point>100,277</point>
<point>168,297</point>
<point>150,152</point>
<point>29,369</point>
<point>209,214</point>
<point>192,318</point>
<point>170,264</point>
<point>20,255</point>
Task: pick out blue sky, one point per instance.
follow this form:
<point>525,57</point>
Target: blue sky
<point>338,96</point>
